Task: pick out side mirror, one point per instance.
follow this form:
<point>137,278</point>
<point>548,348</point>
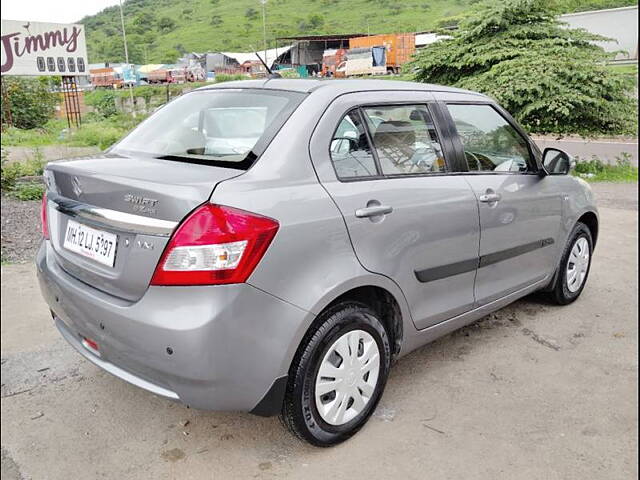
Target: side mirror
<point>556,162</point>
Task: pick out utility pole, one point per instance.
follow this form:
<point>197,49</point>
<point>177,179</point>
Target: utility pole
<point>126,59</point>
<point>264,27</point>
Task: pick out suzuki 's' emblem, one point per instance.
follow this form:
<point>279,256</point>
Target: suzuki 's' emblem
<point>77,188</point>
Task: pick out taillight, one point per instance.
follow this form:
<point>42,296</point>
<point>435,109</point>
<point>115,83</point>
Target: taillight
<point>215,245</point>
<point>43,217</point>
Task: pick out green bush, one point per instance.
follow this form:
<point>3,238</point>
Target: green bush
<point>10,172</point>
<point>28,191</point>
<point>553,79</point>
<point>103,101</point>
<point>13,171</point>
<point>30,100</point>
<point>595,170</point>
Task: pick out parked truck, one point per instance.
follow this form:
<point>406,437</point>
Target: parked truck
<point>363,61</point>
<point>105,78</point>
<point>169,75</point>
<point>399,47</point>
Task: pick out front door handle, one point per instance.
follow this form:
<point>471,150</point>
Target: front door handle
<point>490,197</point>
<point>374,211</point>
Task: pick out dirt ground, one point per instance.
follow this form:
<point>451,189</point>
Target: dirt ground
<point>534,391</point>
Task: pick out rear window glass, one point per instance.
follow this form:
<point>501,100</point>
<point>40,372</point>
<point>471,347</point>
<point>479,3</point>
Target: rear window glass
<point>228,127</point>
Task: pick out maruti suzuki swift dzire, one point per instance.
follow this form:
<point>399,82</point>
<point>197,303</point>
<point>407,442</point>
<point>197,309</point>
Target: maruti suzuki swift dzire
<point>272,246</point>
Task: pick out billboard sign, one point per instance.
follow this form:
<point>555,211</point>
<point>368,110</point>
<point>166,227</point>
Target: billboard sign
<point>38,48</point>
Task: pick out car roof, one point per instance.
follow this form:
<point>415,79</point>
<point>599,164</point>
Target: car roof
<point>339,86</point>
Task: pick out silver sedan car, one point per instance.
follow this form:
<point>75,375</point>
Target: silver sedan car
<point>273,246</point>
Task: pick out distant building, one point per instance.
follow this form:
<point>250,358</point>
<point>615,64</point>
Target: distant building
<point>307,50</point>
<point>621,24</point>
<point>231,62</point>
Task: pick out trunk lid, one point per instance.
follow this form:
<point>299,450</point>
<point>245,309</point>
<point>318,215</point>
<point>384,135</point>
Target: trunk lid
<point>140,200</point>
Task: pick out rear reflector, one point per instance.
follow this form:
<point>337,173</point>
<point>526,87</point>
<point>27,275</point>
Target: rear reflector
<point>43,217</point>
<point>215,245</point>
<point>90,344</point>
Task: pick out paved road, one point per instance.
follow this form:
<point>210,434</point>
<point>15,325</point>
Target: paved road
<point>533,392</point>
<point>607,150</point>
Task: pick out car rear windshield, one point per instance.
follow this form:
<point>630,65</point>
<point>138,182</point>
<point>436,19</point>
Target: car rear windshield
<point>224,127</point>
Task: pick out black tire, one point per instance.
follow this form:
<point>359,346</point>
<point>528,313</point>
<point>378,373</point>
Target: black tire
<point>299,411</point>
<point>560,292</point>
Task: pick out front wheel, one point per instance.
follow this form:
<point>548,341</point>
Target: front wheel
<point>574,266</point>
<point>337,376</point>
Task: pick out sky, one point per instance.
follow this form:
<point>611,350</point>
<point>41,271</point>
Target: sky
<point>60,11</point>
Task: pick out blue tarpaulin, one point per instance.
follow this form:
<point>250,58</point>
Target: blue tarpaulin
<point>379,54</point>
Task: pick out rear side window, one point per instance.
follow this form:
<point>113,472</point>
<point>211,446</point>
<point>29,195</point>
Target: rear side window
<point>490,143</point>
<point>386,140</point>
<point>405,139</point>
<point>350,150</point>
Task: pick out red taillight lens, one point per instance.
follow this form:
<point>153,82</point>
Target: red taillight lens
<point>215,245</point>
<point>43,217</point>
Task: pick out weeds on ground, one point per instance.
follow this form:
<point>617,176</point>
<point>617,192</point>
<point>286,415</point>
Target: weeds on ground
<point>27,191</point>
<point>595,170</point>
<point>13,172</point>
<point>94,131</point>
<point>35,137</point>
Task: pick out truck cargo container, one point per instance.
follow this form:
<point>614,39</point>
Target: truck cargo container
<point>400,47</point>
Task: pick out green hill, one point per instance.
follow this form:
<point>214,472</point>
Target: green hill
<point>161,30</point>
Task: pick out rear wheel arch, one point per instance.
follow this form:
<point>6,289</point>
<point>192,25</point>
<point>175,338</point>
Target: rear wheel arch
<point>381,301</point>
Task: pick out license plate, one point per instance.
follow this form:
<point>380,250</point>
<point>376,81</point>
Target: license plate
<point>89,242</point>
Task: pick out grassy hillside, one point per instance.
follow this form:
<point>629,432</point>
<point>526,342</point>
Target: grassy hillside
<point>161,30</point>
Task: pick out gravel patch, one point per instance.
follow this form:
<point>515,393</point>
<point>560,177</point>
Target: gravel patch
<point>20,229</point>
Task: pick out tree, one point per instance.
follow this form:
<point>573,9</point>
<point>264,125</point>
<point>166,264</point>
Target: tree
<point>551,78</point>
<point>31,102</point>
<point>166,24</point>
<point>144,22</point>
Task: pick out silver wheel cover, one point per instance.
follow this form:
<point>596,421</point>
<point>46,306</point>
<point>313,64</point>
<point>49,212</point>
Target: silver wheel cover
<point>577,265</point>
<point>347,377</point>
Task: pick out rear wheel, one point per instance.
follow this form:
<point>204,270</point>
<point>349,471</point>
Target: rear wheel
<point>574,266</point>
<point>337,376</point>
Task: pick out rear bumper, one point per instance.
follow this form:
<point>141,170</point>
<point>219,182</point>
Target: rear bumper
<point>220,347</point>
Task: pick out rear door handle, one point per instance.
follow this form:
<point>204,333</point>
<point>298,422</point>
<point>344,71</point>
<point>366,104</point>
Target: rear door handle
<point>375,211</point>
<point>490,197</point>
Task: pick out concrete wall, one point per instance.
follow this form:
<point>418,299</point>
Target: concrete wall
<point>620,24</point>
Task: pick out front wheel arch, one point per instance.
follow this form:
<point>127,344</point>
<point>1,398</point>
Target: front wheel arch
<point>590,219</point>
